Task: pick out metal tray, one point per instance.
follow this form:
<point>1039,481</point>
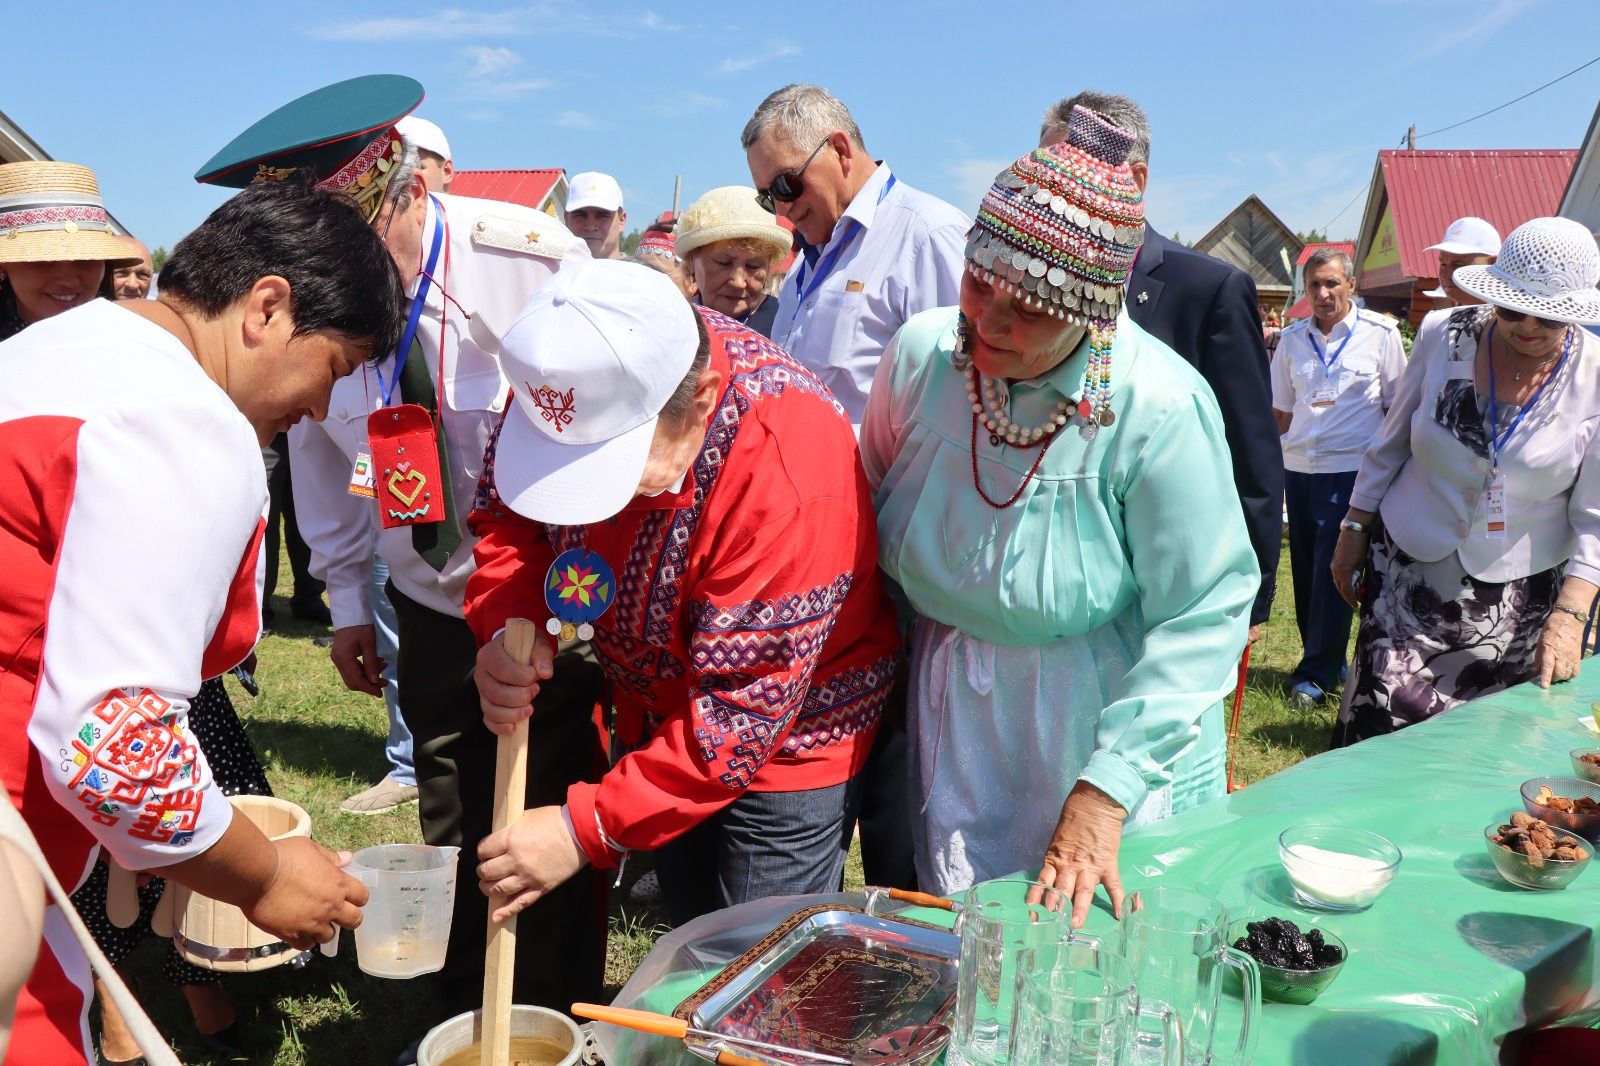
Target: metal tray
<point>831,979</point>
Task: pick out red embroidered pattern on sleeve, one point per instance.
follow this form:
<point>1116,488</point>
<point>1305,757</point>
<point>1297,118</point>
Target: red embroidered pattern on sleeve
<point>756,660</point>
<point>132,757</point>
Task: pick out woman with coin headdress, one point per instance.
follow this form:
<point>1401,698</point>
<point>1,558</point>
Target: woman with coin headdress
<point>1056,504</point>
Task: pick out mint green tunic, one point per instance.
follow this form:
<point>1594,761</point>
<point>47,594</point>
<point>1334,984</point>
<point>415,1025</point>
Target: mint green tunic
<point>1089,630</point>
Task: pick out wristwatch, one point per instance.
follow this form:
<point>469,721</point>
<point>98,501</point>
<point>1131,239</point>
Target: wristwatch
<point>1350,525</point>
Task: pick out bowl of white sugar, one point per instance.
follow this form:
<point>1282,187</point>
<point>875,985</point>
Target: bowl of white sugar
<point>1335,868</point>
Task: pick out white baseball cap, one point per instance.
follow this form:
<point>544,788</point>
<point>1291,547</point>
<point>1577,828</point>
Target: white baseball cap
<point>427,136</point>
<point>594,189</point>
<point>1468,236</point>
<point>592,359</point>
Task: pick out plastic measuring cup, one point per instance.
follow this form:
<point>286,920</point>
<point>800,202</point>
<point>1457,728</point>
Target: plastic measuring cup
<point>405,927</point>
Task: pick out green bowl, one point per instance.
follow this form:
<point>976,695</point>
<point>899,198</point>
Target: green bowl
<point>1292,986</point>
<point>1554,874</point>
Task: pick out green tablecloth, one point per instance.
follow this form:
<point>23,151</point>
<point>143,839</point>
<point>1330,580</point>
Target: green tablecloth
<point>1451,958</point>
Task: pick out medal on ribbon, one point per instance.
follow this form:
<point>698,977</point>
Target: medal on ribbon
<point>405,461</point>
<point>579,589</point>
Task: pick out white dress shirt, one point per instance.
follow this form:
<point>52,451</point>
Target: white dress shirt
<point>1330,437</point>
<point>498,254</point>
<point>1429,485</point>
<point>899,252</point>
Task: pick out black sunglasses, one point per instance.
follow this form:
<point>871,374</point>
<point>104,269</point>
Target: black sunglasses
<point>787,186</point>
<point>1513,317</point>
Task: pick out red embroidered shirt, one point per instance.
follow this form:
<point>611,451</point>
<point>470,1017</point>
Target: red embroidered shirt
<point>750,644</point>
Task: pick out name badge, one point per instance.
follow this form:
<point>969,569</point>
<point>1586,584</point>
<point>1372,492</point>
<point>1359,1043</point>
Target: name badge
<point>1494,506</point>
<point>405,460</point>
<point>1325,391</point>
<point>362,483</point>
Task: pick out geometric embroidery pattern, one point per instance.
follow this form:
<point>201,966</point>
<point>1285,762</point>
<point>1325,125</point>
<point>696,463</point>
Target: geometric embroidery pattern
<point>132,755</point>
<point>753,661</point>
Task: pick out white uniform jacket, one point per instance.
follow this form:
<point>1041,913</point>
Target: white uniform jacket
<point>495,256</point>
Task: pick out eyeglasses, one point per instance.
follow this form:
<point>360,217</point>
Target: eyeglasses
<point>1511,317</point>
<point>788,186</point>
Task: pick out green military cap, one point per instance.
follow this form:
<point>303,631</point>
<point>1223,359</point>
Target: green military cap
<point>342,136</point>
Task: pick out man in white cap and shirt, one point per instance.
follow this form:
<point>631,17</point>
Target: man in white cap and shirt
<point>673,487</point>
<point>594,212</point>
<point>435,164</point>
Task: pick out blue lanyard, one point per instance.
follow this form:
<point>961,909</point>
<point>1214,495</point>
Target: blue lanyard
<point>1497,440</point>
<point>803,291</point>
<point>418,302</point>
<point>1327,364</point>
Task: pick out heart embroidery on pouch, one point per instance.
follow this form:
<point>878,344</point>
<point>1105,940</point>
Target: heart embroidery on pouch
<point>403,473</point>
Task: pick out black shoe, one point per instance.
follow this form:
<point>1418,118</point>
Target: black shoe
<point>267,618</point>
<point>408,1055</point>
<point>224,1042</point>
<point>311,609</point>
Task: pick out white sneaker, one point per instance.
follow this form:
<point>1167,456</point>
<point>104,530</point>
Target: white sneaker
<point>386,795</point>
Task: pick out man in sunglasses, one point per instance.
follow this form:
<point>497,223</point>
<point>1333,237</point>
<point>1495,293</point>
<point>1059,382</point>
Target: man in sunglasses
<point>873,250</point>
<point>396,464</point>
<point>1333,378</point>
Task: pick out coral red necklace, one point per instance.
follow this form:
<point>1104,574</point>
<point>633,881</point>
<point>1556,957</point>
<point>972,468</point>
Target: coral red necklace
<point>1043,446</point>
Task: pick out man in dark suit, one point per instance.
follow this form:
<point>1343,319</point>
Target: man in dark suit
<point>1206,311</point>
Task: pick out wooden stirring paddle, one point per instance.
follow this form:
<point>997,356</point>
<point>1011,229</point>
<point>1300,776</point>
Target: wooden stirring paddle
<point>510,793</point>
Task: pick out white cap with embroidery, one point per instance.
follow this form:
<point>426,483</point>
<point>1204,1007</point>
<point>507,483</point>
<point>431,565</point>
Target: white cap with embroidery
<point>1468,236</point>
<point>594,189</point>
<point>592,360</point>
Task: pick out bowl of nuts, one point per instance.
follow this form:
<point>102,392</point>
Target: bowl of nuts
<point>1569,803</point>
<point>1531,853</point>
<point>1586,763</point>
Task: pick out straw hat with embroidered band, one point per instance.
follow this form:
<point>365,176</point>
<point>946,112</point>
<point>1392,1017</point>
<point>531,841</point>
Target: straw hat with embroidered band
<point>52,212</point>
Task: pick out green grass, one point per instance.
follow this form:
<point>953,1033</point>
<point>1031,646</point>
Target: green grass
<point>321,743</point>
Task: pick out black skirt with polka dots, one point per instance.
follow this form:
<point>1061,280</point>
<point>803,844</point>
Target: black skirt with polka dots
<point>238,772</point>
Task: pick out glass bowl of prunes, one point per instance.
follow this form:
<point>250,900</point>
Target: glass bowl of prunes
<point>1296,963</point>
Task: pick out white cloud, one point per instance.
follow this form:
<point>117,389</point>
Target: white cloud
<point>971,178</point>
<point>685,103</point>
<point>445,24</point>
<point>651,22</point>
<point>1464,31</point>
<point>491,62</point>
<point>774,50</point>
<point>576,120</point>
<point>491,74</point>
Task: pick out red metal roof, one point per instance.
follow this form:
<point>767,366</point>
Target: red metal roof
<point>1428,190</point>
<point>526,187</point>
<point>1347,247</point>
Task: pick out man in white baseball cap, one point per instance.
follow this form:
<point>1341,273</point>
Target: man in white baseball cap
<point>594,212</point>
<point>435,164</point>
<point>1467,242</point>
<point>674,487</point>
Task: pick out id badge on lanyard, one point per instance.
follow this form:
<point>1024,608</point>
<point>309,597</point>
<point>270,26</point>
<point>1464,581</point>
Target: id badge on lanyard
<point>1326,390</point>
<point>1494,494</point>
<point>405,451</point>
<point>1494,506</point>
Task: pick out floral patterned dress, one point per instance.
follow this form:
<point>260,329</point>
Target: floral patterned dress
<point>1432,636</point>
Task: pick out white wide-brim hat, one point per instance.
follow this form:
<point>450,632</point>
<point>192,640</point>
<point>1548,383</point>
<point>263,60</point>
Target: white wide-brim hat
<point>592,360</point>
<point>1548,267</point>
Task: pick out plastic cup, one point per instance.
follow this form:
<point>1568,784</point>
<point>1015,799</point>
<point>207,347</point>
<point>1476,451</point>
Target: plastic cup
<point>405,927</point>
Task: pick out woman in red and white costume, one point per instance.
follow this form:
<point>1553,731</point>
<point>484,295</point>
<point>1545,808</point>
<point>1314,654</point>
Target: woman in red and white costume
<point>131,502</point>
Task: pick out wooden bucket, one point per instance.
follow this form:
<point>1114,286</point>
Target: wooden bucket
<point>217,936</point>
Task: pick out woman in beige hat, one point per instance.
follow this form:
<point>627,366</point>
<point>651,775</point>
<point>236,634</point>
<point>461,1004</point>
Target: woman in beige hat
<point>56,242</point>
<point>729,247</point>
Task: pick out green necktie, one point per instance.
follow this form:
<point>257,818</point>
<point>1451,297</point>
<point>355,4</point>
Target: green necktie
<point>433,541</point>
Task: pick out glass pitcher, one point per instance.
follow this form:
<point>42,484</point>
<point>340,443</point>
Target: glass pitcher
<point>1079,1005</point>
<point>998,928</point>
<point>1177,943</point>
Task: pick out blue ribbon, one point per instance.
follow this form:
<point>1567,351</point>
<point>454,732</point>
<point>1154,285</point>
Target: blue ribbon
<point>803,290</point>
<point>1497,440</point>
<point>1327,364</point>
<point>418,302</point>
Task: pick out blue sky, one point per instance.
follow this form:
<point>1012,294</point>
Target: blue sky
<point>1290,101</point>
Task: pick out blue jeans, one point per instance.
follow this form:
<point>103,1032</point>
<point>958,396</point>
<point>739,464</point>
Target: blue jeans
<point>398,747</point>
<point>1317,503</point>
<point>762,844</point>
